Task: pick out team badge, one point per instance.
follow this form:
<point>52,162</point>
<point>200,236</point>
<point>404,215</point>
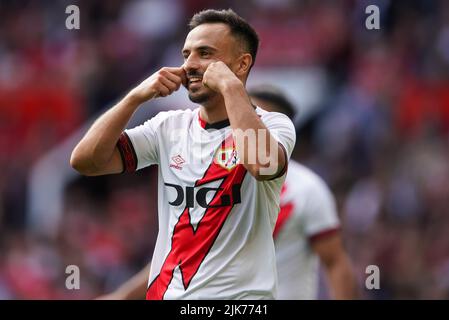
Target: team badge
<point>227,158</point>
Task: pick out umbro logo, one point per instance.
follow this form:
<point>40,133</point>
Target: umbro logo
<point>178,162</point>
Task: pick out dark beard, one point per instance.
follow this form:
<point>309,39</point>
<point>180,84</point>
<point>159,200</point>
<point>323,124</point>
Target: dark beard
<point>202,98</point>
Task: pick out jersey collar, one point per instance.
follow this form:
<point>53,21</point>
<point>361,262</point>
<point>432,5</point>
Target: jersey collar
<point>216,125</point>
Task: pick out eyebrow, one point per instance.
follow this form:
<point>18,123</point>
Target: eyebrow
<point>209,48</point>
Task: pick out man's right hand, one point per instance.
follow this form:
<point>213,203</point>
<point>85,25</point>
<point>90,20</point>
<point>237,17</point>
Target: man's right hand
<point>160,84</point>
<point>97,152</point>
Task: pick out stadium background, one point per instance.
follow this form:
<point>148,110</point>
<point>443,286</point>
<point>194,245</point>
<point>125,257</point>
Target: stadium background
<point>374,123</point>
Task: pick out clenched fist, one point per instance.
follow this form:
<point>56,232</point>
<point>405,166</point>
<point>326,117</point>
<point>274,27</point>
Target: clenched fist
<point>160,84</point>
<point>217,75</point>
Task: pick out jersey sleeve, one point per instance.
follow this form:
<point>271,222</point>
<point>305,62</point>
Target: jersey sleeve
<point>143,141</point>
<point>281,128</point>
<point>320,213</point>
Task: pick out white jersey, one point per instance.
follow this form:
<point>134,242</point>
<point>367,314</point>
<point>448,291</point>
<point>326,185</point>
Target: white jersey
<point>307,213</point>
<point>215,220</point>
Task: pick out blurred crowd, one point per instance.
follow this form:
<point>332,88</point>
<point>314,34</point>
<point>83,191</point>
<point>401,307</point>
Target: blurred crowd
<point>380,138</point>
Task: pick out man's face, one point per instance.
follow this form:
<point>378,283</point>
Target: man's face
<point>205,44</point>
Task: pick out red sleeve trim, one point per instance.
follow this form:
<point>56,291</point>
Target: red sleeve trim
<point>324,234</point>
<point>127,152</point>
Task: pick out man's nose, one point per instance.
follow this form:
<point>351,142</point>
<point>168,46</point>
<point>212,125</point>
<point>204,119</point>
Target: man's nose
<point>191,64</point>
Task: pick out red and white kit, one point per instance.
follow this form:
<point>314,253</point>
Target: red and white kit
<point>308,213</point>
<point>216,221</point>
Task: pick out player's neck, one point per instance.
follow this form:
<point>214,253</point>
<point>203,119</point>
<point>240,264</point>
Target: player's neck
<point>212,114</point>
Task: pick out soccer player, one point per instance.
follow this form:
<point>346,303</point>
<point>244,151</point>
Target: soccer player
<point>221,166</point>
<point>307,230</point>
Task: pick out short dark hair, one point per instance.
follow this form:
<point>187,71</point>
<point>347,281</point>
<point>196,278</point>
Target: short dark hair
<point>274,95</point>
<point>239,27</point>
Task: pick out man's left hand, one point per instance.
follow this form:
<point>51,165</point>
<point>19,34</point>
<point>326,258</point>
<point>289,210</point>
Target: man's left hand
<point>218,75</point>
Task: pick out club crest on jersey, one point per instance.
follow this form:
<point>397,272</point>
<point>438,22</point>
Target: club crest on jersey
<point>227,158</point>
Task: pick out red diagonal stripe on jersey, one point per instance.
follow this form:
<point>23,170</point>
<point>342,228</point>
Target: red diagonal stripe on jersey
<point>283,190</point>
<point>189,247</point>
<point>284,214</point>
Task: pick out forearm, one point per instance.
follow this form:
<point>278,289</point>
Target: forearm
<point>255,145</point>
<point>341,280</point>
<point>96,153</point>
<point>239,108</point>
<point>135,288</point>
<point>96,148</point>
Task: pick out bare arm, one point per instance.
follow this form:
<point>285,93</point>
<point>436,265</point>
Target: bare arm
<point>337,266</point>
<point>97,153</point>
<point>264,161</point>
<point>133,289</point>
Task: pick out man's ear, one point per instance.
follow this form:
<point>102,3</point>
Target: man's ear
<point>244,64</point>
